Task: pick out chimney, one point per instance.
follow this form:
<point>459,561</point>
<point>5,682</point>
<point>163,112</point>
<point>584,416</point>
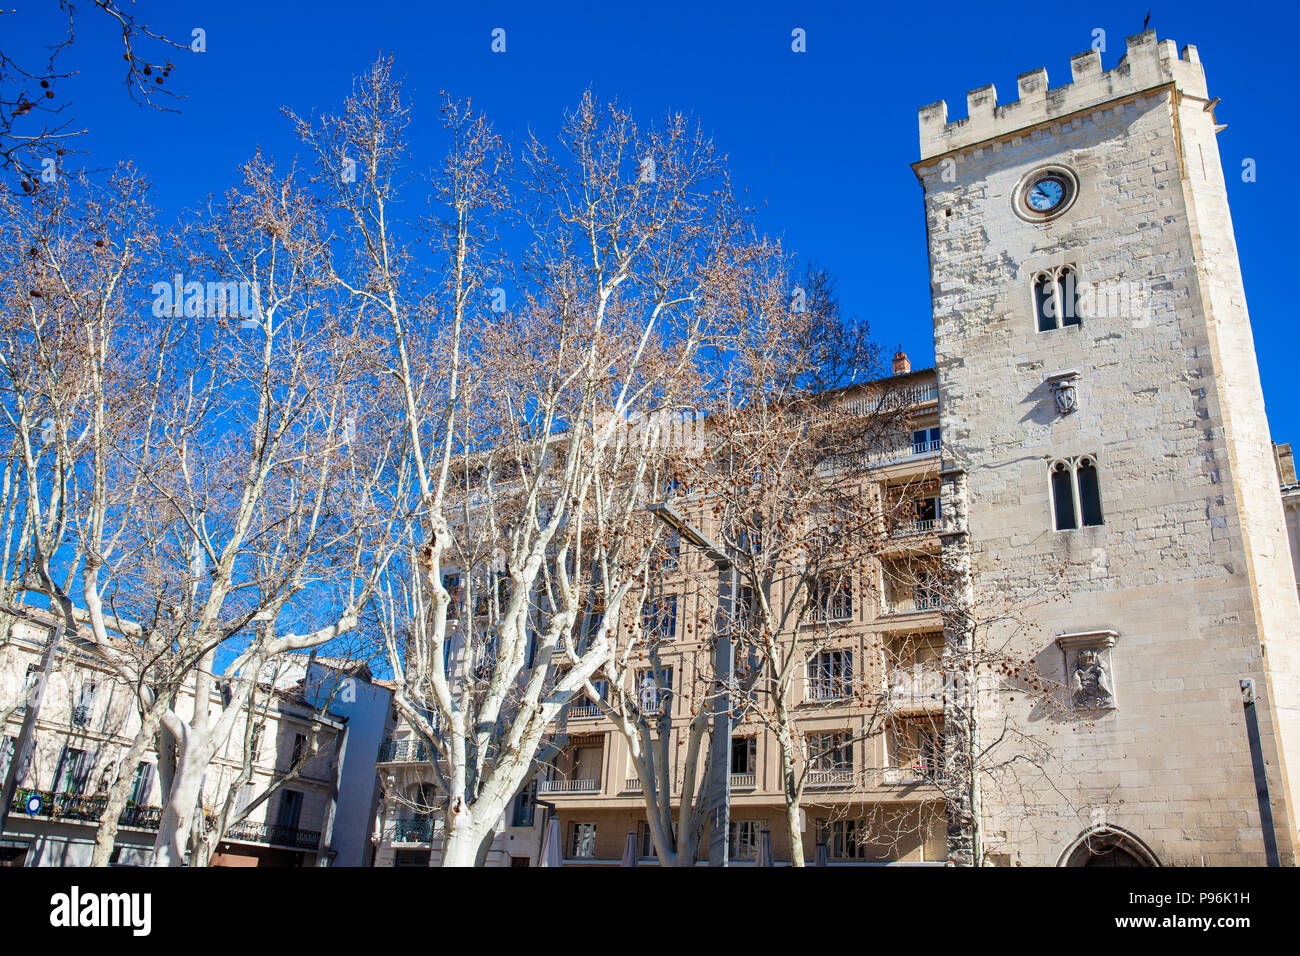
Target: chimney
<point>1285,463</point>
<point>901,365</point>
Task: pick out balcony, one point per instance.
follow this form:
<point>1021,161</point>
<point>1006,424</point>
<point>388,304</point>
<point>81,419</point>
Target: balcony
<point>916,688</point>
<point>418,830</point>
<point>586,708</point>
<point>568,786</point>
<point>912,527</point>
<point>822,692</point>
<point>863,461</point>
<point>70,806</point>
<point>404,751</point>
<point>891,400</point>
<point>839,777</point>
<point>81,716</point>
<point>920,601</point>
<point>744,781</point>
<point>632,785</point>
<point>274,835</point>
<point>912,776</point>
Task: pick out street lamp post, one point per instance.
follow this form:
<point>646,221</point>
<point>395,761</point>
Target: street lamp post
<point>719,782</point>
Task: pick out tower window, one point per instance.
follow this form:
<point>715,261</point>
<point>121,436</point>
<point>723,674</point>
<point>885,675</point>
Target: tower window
<point>1076,494</point>
<point>1056,298</point>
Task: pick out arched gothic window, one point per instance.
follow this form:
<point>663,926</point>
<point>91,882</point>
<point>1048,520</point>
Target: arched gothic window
<point>1056,298</point>
<point>1076,493</point>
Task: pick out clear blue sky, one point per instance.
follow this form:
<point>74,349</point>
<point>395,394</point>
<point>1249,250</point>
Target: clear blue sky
<point>823,140</point>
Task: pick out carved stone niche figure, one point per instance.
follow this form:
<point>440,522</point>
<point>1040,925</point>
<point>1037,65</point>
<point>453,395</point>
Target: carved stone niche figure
<point>1063,390</point>
<point>1089,676</point>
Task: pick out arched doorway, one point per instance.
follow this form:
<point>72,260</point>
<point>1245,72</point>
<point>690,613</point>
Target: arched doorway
<point>1108,846</point>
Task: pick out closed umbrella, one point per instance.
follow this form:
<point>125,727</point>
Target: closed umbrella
<point>551,845</point>
<point>765,850</point>
<point>629,850</point>
<point>822,856</point>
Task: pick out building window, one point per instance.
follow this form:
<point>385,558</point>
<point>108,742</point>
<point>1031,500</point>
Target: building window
<point>29,684</point>
<point>6,755</point>
<point>742,839</point>
<point>71,774</point>
<point>918,749</point>
<point>290,809</point>
<point>142,785</point>
<point>1056,299</point>
<point>255,747</point>
<point>830,675</point>
<point>926,440</point>
<point>645,841</point>
<point>85,708</point>
<point>844,839</point>
<point>670,557</point>
<point>654,695</point>
<point>744,754</point>
<point>1076,494</point>
<point>582,841</point>
<point>832,598</point>
<point>299,747</point>
<point>526,805</point>
<point>830,757</point>
<point>659,618</point>
<point>453,583</point>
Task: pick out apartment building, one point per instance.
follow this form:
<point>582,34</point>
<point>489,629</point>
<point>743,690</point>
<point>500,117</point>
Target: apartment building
<point>88,720</point>
<point>877,765</point>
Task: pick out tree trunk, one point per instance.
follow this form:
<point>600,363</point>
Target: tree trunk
<point>796,834</point>
<point>106,835</point>
<point>178,811</point>
<point>460,842</point>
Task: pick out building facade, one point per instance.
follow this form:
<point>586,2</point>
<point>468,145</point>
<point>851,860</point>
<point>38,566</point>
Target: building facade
<point>1102,508</point>
<point>876,795</point>
<point>1106,449</point>
<point>88,720</point>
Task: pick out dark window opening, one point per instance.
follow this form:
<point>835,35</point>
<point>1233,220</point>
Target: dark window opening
<point>1045,303</point>
<point>1063,498</point>
<point>1089,493</point>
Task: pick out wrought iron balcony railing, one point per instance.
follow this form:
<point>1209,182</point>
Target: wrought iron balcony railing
<point>405,751</point>
<point>71,806</point>
<point>418,830</point>
<point>274,835</point>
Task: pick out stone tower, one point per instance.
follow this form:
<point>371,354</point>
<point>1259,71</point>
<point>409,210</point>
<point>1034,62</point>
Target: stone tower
<point>1112,506</point>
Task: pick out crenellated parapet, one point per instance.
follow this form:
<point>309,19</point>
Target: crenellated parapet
<point>1147,63</point>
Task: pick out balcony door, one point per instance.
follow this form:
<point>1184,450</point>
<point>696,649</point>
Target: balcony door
<point>290,809</point>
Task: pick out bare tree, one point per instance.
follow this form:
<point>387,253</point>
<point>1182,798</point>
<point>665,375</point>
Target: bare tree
<point>35,126</point>
<point>526,527</point>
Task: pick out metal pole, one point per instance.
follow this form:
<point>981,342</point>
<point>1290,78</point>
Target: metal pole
<point>724,659</point>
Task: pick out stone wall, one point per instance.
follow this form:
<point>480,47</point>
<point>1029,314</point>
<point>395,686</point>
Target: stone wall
<point>1187,567</point>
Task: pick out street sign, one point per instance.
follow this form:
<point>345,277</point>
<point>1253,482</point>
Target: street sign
<point>34,804</point>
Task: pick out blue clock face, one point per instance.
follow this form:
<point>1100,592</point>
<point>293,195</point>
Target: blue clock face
<point>1046,194</point>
